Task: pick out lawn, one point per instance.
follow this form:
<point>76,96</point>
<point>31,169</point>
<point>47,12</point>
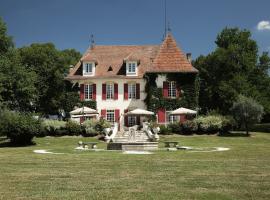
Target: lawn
<point>243,172</point>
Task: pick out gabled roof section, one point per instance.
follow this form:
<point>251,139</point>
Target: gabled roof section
<point>170,58</point>
<point>110,61</point>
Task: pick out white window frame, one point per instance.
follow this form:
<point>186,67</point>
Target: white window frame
<point>110,116</point>
<point>86,71</point>
<point>171,118</point>
<point>88,91</point>
<point>132,120</point>
<point>110,91</point>
<point>131,68</point>
<point>172,89</point>
<point>132,91</point>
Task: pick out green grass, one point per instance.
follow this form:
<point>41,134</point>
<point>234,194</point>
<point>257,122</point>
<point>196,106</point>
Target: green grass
<point>240,173</point>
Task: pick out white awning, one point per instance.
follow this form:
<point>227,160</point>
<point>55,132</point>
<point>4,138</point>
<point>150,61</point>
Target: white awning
<point>83,110</point>
<point>182,110</point>
<point>139,111</point>
<point>85,115</point>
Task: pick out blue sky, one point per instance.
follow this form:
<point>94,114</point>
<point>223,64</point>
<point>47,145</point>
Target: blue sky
<point>195,24</point>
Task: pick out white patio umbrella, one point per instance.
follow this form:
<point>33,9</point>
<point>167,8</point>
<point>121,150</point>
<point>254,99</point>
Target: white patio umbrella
<point>83,110</point>
<point>139,111</point>
<point>182,110</point>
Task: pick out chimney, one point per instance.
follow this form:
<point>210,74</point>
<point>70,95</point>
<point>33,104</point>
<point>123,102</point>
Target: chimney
<point>189,57</point>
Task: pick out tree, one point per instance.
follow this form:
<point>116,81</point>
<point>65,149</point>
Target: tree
<point>232,69</point>
<point>5,41</point>
<point>17,84</point>
<point>247,111</point>
<point>50,65</point>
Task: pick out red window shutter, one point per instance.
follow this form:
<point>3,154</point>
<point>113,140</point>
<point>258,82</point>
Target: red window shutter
<point>103,91</point>
<point>94,91</point>
<point>117,115</point>
<point>126,118</point>
<point>125,91</point>
<point>103,113</point>
<point>82,92</point>
<point>165,89</point>
<point>161,115</point>
<point>115,91</point>
<point>137,90</point>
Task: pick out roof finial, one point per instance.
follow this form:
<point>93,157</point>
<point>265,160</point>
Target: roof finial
<point>92,41</point>
<point>169,28</point>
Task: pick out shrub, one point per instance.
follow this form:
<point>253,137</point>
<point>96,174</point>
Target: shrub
<point>189,127</point>
<point>209,124</point>
<point>165,130</point>
<point>18,127</point>
<point>228,123</point>
<point>73,128</point>
<point>175,127</point>
<point>101,125</point>
<point>53,127</point>
<point>90,127</point>
<point>261,128</point>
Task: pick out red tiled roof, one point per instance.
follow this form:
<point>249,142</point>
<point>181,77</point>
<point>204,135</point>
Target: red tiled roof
<point>170,58</point>
<point>152,58</point>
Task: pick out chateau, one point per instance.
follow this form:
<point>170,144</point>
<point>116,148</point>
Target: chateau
<point>121,78</point>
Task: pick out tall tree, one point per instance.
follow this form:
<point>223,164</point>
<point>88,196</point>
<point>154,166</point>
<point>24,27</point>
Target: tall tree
<point>226,72</point>
<point>5,41</point>
<point>51,66</point>
<point>17,90</point>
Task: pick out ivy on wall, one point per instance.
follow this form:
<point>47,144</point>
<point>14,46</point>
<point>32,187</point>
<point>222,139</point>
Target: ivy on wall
<point>188,84</point>
<point>91,104</point>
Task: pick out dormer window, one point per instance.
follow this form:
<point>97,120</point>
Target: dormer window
<point>88,69</point>
<point>131,68</point>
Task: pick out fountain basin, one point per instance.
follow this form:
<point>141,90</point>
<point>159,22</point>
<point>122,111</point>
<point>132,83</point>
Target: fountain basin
<point>133,146</point>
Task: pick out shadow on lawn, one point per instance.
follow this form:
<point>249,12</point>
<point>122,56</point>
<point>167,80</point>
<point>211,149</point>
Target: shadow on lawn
<point>234,134</point>
<point>4,143</point>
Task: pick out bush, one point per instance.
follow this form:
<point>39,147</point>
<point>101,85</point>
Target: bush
<point>228,123</point>
<point>53,127</point>
<point>209,124</point>
<point>19,128</point>
<point>165,130</point>
<point>261,128</point>
<point>175,127</point>
<point>90,127</point>
<point>101,125</point>
<point>189,127</point>
<point>73,128</point>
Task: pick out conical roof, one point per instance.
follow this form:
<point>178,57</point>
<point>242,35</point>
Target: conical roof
<point>170,58</point>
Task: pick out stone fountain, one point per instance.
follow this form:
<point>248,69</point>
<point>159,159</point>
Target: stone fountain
<point>132,139</point>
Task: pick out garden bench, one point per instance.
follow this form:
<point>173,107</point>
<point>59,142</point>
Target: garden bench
<point>93,145</point>
<point>173,143</point>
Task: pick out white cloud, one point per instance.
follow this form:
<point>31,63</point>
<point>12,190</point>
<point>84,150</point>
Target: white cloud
<point>263,25</point>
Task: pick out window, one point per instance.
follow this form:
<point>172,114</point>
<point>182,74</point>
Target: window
<point>131,68</point>
<point>88,69</point>
<point>109,91</point>
<point>172,89</point>
<point>110,115</point>
<point>88,91</point>
<point>171,118</point>
<point>132,90</point>
<point>132,120</point>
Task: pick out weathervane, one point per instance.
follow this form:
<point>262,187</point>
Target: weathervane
<point>92,41</point>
